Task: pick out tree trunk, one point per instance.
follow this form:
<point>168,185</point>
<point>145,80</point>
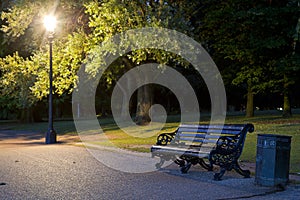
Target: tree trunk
<point>125,100</point>
<point>36,113</point>
<point>287,112</point>
<point>26,115</point>
<point>144,102</point>
<point>250,103</point>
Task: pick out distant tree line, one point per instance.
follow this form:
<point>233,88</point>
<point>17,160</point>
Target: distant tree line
<point>255,45</point>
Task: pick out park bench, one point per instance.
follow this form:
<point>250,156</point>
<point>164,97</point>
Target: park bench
<point>206,145</point>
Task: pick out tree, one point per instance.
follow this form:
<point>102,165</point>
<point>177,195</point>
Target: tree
<point>251,36</point>
<point>111,17</point>
<point>4,110</point>
<point>16,80</point>
<point>95,22</point>
<point>25,33</point>
<point>292,65</point>
<point>4,5</point>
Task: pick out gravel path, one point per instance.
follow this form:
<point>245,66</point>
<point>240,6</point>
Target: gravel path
<point>32,170</point>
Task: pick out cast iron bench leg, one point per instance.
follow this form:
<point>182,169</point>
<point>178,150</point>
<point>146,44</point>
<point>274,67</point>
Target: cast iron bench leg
<point>209,166</point>
<point>218,176</point>
<point>180,162</point>
<point>161,162</point>
<point>184,169</point>
<point>238,169</point>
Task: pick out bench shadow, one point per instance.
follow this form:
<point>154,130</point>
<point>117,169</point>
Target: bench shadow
<point>197,173</point>
<point>231,179</point>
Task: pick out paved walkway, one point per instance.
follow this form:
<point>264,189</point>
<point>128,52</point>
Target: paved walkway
<point>30,169</point>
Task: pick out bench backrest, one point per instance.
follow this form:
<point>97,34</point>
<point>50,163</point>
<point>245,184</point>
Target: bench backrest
<point>208,136</point>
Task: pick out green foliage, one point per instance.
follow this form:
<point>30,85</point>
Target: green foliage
<point>24,72</point>
<point>114,17</point>
<point>27,16</point>
<point>109,18</point>
<point>82,26</point>
<point>251,41</point>
<point>16,79</point>
<point>251,38</point>
<point>248,32</point>
<point>68,56</point>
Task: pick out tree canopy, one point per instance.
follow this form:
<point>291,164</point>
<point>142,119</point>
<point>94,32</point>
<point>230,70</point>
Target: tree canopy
<point>95,23</point>
<point>253,37</point>
<point>254,44</point>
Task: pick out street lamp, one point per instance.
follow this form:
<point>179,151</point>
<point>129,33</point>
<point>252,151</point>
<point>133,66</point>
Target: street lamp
<point>50,23</point>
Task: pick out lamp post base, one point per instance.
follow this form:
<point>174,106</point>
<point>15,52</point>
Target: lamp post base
<point>51,136</point>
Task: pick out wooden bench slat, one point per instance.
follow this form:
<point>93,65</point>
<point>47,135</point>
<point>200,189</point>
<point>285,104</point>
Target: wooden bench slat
<point>180,151</point>
<point>193,135</point>
<point>198,140</point>
<point>214,126</point>
<point>210,131</point>
<point>200,136</point>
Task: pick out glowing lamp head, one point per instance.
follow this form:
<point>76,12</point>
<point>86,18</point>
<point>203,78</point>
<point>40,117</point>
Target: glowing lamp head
<point>50,23</point>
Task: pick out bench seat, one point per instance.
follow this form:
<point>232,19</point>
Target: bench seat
<point>179,151</point>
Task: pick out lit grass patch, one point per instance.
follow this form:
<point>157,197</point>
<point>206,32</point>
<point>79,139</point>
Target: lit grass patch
<point>133,141</point>
<point>271,124</point>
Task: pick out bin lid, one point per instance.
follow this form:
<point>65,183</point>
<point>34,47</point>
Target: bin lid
<point>273,135</point>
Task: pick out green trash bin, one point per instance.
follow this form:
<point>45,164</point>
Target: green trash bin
<point>272,160</point>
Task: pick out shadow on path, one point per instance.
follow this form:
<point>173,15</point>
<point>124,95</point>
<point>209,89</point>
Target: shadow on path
<point>10,138</point>
<point>20,134</point>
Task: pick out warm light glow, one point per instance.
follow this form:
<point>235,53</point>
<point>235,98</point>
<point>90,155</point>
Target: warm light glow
<point>50,23</point>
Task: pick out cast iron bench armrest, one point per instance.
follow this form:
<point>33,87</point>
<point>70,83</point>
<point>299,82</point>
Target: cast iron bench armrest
<point>165,138</point>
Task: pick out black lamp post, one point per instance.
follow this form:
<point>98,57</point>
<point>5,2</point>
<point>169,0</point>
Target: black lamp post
<point>50,23</point>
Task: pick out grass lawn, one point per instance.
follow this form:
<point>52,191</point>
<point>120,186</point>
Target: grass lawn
<point>264,124</point>
<point>272,124</point>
